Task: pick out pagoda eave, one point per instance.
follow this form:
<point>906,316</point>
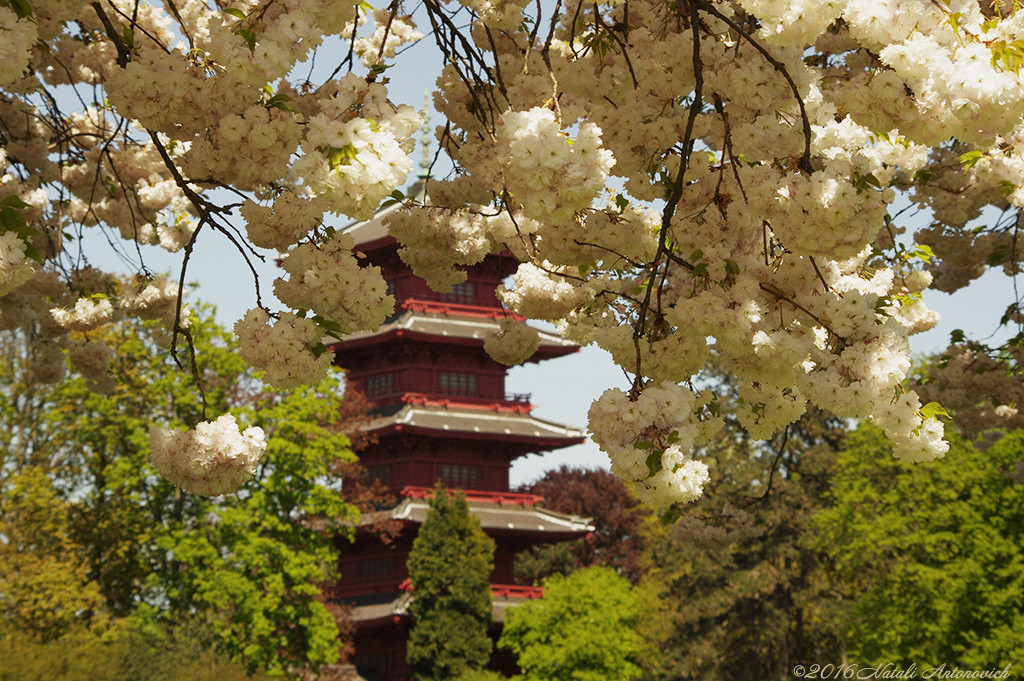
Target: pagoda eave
<point>441,323</point>
<point>383,338</point>
<point>477,424</point>
<point>533,444</point>
<point>493,514</point>
<point>391,608</point>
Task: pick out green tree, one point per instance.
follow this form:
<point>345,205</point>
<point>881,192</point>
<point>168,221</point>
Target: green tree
<point>127,650</point>
<point>933,553</point>
<point>583,629</point>
<point>450,568</point>
<point>745,591</point>
<point>44,587</point>
<point>248,564</point>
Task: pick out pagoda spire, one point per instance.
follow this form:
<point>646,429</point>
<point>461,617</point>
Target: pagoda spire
<point>425,140</point>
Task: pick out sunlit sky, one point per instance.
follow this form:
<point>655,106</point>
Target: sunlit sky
<point>563,388</point>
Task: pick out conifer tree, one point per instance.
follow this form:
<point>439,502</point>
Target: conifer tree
<point>450,567</point>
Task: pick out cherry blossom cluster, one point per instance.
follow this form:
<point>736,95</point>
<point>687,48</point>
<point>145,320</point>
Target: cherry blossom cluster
<point>390,33</point>
<point>15,267</point>
<point>650,439</point>
<point>212,459</point>
<point>512,343</point>
<point>285,350</point>
<point>676,179</point>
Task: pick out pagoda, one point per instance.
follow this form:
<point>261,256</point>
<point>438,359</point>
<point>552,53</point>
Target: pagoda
<point>440,413</point>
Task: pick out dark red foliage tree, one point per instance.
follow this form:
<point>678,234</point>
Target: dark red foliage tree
<point>618,540</point>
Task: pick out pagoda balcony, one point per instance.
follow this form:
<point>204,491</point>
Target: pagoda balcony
<point>516,403</point>
<point>480,496</point>
<point>442,307</point>
<point>516,591</point>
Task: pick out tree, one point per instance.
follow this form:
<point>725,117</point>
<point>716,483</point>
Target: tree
<point>44,587</point>
<point>745,589</point>
<point>581,630</point>
<point>931,554</point>
<point>450,568</point>
<point>619,540</point>
<point>127,649</point>
<point>249,565</point>
<point>745,202</point>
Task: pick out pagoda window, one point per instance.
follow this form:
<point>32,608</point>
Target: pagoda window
<point>379,384</point>
<point>377,662</point>
<point>463,293</point>
<point>374,569</point>
<point>456,383</point>
<point>459,476</point>
<point>381,473</point>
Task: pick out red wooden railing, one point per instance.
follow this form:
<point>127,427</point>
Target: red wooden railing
<point>519,404</point>
<point>507,498</point>
<point>460,309</point>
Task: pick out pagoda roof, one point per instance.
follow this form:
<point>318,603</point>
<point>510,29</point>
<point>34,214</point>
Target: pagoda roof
<point>372,233</point>
<point>447,322</point>
<point>435,418</point>
<point>390,607</point>
<point>495,517</point>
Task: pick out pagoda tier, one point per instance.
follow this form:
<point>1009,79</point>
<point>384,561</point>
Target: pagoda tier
<point>375,581</point>
<point>514,521</point>
<point>432,348</point>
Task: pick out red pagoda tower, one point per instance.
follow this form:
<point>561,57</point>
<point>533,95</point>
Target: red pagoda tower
<point>440,413</point>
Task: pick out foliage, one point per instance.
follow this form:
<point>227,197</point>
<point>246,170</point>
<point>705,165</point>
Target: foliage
<point>581,630</point>
<point>249,564</point>
<point>450,567</point>
<point>127,650</point>
<point>44,587</point>
<point>745,590</point>
<point>619,539</point>
<point>931,554</point>
<point>480,675</point>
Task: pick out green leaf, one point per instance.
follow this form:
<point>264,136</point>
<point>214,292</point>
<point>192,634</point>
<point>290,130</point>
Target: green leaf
<point>670,516</point>
<point>279,101</point>
<point>33,252</point>
<point>933,410</point>
<point>956,336</point>
<point>1010,312</point>
<point>924,253</point>
<point>997,255</point>
<point>21,8</point>
<point>235,12</point>
<point>337,157</point>
<point>865,182</point>
<point>970,158</point>
<point>13,201</point>
<point>653,462</point>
